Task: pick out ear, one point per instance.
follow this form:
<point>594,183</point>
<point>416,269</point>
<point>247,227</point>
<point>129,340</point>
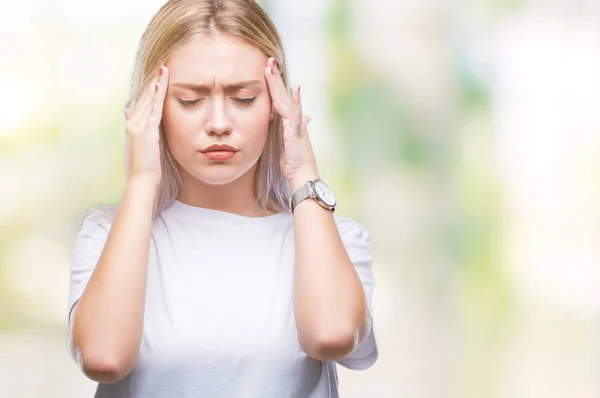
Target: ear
<point>127,112</point>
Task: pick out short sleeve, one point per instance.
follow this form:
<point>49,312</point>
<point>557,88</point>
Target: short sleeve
<point>86,252</point>
<point>357,242</point>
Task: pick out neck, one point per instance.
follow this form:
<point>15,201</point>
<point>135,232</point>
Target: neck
<point>237,197</point>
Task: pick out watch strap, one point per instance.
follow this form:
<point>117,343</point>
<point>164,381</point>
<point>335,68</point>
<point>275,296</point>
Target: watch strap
<point>301,193</point>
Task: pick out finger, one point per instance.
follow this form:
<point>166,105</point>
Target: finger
<point>140,110</point>
<point>296,109</point>
<point>159,99</point>
<point>279,94</point>
<point>139,113</point>
<point>145,100</point>
<point>145,117</point>
<point>158,95</point>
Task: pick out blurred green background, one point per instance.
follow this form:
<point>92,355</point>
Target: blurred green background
<point>464,135</point>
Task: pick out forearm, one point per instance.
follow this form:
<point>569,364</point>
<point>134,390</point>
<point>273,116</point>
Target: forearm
<point>107,327</point>
<point>329,301</point>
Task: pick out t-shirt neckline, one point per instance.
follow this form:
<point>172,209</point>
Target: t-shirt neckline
<point>212,215</point>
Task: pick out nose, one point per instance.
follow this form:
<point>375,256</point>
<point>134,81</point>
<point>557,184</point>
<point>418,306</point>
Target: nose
<point>218,122</point>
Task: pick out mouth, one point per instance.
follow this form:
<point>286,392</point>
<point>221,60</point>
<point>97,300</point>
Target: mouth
<point>219,155</point>
<point>219,148</point>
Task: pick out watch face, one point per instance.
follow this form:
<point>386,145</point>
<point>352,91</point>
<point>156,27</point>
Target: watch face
<point>324,193</point>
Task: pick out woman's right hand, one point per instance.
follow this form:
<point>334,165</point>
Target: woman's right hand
<point>107,320</point>
<point>142,131</point>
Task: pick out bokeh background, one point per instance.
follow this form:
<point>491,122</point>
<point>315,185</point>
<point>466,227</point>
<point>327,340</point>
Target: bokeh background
<point>465,135</point>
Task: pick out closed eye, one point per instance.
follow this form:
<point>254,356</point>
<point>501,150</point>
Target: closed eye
<point>245,100</point>
<point>188,102</point>
<point>240,100</point>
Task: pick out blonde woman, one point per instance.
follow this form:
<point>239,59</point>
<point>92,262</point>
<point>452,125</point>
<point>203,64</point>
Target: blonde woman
<point>204,281</point>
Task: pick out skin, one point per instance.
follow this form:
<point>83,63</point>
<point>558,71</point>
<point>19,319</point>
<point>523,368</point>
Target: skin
<point>329,302</point>
<point>236,116</point>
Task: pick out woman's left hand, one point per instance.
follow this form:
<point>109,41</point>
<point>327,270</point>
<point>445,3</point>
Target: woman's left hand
<point>298,162</point>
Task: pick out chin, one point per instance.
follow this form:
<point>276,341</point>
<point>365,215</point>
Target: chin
<point>219,174</point>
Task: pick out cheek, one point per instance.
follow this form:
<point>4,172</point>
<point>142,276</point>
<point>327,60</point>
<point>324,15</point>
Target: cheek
<point>263,111</point>
<point>176,121</point>
<point>262,116</point>
<point>259,125</point>
<point>254,122</point>
<point>174,126</point>
<point>168,117</point>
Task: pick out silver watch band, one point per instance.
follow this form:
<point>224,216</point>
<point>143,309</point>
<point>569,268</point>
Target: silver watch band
<point>301,193</point>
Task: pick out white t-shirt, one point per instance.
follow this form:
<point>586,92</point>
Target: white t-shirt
<point>219,318</point>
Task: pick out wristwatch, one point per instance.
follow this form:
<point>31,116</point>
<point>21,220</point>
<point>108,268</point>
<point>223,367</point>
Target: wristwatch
<point>317,190</point>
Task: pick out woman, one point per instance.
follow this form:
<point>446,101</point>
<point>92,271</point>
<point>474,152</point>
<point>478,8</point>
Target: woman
<point>203,282</point>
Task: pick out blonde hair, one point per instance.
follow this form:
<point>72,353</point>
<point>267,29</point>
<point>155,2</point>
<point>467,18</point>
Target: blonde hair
<point>177,23</point>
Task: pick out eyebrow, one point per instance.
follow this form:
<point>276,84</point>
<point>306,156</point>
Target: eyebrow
<point>201,88</point>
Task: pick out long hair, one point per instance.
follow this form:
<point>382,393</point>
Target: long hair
<point>177,23</point>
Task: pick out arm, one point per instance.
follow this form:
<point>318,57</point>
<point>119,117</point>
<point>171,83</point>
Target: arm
<point>107,328</point>
<point>329,300</point>
<point>107,324</point>
<point>330,306</point>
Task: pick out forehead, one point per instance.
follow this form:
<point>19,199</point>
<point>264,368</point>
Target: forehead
<point>218,58</point>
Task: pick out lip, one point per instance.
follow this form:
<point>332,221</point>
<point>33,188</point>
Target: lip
<point>219,148</point>
<point>219,155</point>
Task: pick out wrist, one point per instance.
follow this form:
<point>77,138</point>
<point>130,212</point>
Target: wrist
<point>141,184</point>
<point>302,177</point>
